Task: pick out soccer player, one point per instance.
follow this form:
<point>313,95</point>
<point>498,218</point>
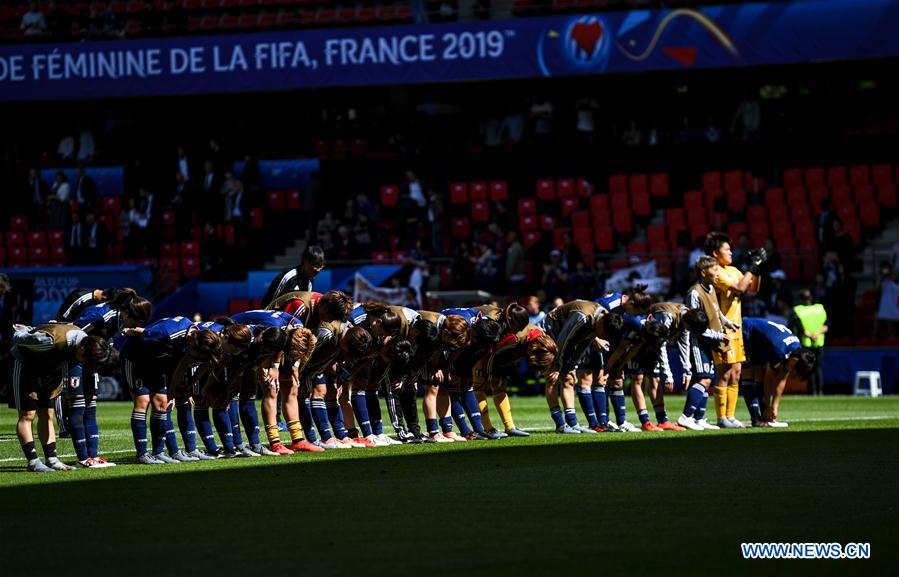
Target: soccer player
<point>730,284</point>
<point>298,278</point>
<point>42,356</point>
<point>80,390</point>
<point>699,370</point>
<point>574,326</point>
<point>774,354</point>
<point>427,368</point>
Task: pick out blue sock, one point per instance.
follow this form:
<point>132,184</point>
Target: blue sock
<point>374,412</point>
<point>446,425</point>
<point>187,426</point>
<point>222,420</point>
<point>360,410</point>
<point>335,416</point>
<point>571,417</point>
<point>643,415</point>
<point>586,399</point>
<point>558,417</point>
<point>76,428</point>
<point>601,404</point>
<point>92,429</point>
<point>234,416</point>
<point>139,431</point>
<point>458,413</point>
<point>171,440</point>
<point>694,399</point>
<point>320,416</point>
<point>306,419</point>
<point>661,413</point>
<point>700,410</point>
<point>431,424</point>
<point>619,406</point>
<point>470,401</point>
<point>157,431</point>
<point>760,395</point>
<point>250,419</point>
<point>752,400</point>
<point>204,428</point>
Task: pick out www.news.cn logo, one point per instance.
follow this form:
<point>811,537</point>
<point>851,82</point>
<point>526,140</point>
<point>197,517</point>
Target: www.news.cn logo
<point>805,550</point>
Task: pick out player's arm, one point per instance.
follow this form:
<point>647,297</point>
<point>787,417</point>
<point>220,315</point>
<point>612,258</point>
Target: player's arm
<point>683,352</point>
<point>745,284</point>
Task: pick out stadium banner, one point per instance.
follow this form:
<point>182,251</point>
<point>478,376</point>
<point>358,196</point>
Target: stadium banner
<point>364,291</point>
<point>639,40</point>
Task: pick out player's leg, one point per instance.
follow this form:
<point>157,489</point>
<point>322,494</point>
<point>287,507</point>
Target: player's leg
<point>26,406</point>
<point>775,383</point>
<point>359,401</point>
<point>320,412</point>
<point>73,396</point>
<point>500,388</point>
<point>204,429</point>
<point>346,408</point>
<point>45,431</point>
<point>638,378</point>
<point>91,425</point>
<point>184,413</point>
<point>567,395</point>
<point>751,389</point>
<point>288,390</point>
<point>585,396</point>
<point>657,394</point>
<point>469,400</point>
<point>600,394</point>
<point>307,423</point>
<point>407,396</point>
<point>335,414</point>
<point>390,391</point>
<point>429,408</point>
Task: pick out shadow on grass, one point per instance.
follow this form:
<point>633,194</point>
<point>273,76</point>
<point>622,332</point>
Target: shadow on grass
<point>652,506</point>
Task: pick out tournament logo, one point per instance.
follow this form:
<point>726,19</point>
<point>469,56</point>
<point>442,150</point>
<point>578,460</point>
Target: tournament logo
<point>586,40</point>
<point>582,46</point>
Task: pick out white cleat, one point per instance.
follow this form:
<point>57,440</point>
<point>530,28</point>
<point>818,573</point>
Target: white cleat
<point>344,443</point>
<point>148,459</point>
<point>387,440</point>
<point>266,452</point>
<point>441,438</point>
<point>627,427</point>
<point>612,427</point>
<point>707,425</point>
<point>567,430</point>
<point>737,424</point>
<point>689,423</point>
<point>166,459</point>
<point>247,452</point>
<point>184,457</point>
<point>456,437</point>
<point>57,465</point>
<point>778,424</point>
<point>584,429</point>
<point>201,456</point>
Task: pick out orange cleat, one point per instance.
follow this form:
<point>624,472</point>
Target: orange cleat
<point>306,446</point>
<point>671,426</point>
<point>281,449</point>
<point>650,427</point>
<point>365,442</point>
<point>600,429</point>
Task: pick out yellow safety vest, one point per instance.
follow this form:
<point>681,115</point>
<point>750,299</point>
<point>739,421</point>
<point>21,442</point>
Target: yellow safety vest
<point>813,318</point>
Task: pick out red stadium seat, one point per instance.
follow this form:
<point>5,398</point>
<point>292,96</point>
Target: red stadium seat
<point>559,236</point>
<point>18,222</point>
<point>584,187</point>
<point>638,184</point>
<point>112,204</point>
<point>641,203</point>
<point>583,237</point>
<point>792,178</point>
<point>711,181</point>
<point>247,21</point>
<point>380,257</point>
<point>257,219</point>
<point>637,246</point>
<point>56,237</point>
<point>675,218</point>
<point>886,195</point>
<point>546,189</point>
<point>390,194</point>
<point>859,175</point>
<point>774,197</point>
<point>546,222</point>
<point>358,147</point>
<point>527,222</point>
<point>735,229</point>
<point>478,190</point>
<point>38,255</point>
<point>603,239</point>
<point>869,214</point>
<point>480,211</point>
<point>37,237</point>
<point>531,238</point>
<point>190,248</point>
<point>836,176</point>
<point>693,200</point>
<point>756,214</point>
<point>733,181</point>
<point>800,212</point>
<point>796,195</point>
<point>620,203</point>
<point>459,193</point>
<point>736,201</point>
<point>499,190</point>
<point>168,249</point>
<point>565,187</point>
<point>294,200</point>
<point>168,218</point>
<point>881,174</point>
<point>57,254</point>
<point>17,255</point>
<point>657,237</point>
<point>623,222</point>
<point>759,233</point>
<point>816,195</point>
<point>15,238</point>
<point>814,177</point>
<point>841,194</point>
<point>208,23</point>
<point>864,193</point>
<point>580,219</point>
<point>658,184</point>
<point>618,184</point>
<point>462,228</point>
<point>527,206</point>
<point>277,200</point>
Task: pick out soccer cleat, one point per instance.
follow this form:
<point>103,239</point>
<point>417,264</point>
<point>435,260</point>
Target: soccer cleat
<point>613,427</point>
<point>38,467</point>
<point>737,424</point>
<point>475,436</point>
<point>367,442</point>
<point>199,455</point>
<point>584,429</point>
<point>566,430</point>
<point>627,427</point>
<point>57,465</point>
<point>230,454</point>
<point>329,445</point>
<point>601,429</point>
<point>345,443</point>
<point>355,443</point>
<point>707,425</point>
<point>501,435</point>
<point>516,432</point>
<point>102,463</point>
<point>166,459</point>
<point>247,452</point>
<point>86,464</point>
<point>387,441</point>
<point>650,427</point>
<point>777,424</point>
<point>441,438</point>
<point>689,423</point>
<point>280,449</point>
<point>726,423</point>
<point>492,435</point>
<point>148,459</point>
<point>184,457</point>
<point>670,426</point>
<point>305,446</point>
<point>455,437</point>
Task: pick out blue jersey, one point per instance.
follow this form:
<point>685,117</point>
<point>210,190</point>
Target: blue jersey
<point>767,342</point>
<point>211,326</point>
<point>470,314</point>
<point>357,316</point>
<point>266,319</point>
<point>99,320</point>
<point>610,301</point>
<point>164,337</point>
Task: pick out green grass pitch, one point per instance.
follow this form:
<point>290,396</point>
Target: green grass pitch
<point>612,504</point>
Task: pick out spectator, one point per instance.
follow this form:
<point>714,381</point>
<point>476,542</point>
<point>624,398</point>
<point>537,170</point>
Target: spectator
<point>541,114</point>
<point>515,265</point>
<point>183,163</point>
<point>66,149</point>
<point>824,224</point>
<point>555,276</point>
<point>775,261</point>
<point>345,247</point>
<point>312,193</point>
<point>58,203</point>
<point>712,133</point>
<point>492,131</point>
<point>211,197</point>
<point>418,260</point>
<point>128,223</point>
<point>585,126</point>
<point>632,136</point>
<point>601,276</point>
<point>238,205</point>
<point>33,23</point>
<point>841,242</point>
<point>888,301</point>
<point>213,247</point>
<point>819,289</point>
<point>485,267</point>
<point>582,281</point>
<point>463,265</point>
<point>76,241</point>
<point>38,191</point>
<point>415,189</point>
<point>777,295</point>
<point>749,113</point>
<point>571,254</point>
<point>753,306</point>
<point>436,221</point>
<point>86,191</point>
<point>535,312</point>
<point>86,148</point>
<point>94,239</point>
<point>698,250</point>
<point>513,127</point>
<point>841,292</point>
<point>182,205</point>
<point>229,194</point>
<point>411,299</point>
<point>327,225</point>
<point>407,221</point>
<point>810,323</point>
<point>362,234</point>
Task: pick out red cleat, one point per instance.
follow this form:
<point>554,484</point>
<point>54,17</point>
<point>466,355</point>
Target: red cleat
<point>671,426</point>
<point>281,449</point>
<point>649,427</point>
<point>306,446</point>
<point>599,429</point>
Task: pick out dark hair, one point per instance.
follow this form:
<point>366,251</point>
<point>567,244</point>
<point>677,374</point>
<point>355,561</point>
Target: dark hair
<point>456,332</point>
<point>206,343</point>
<point>714,240</point>
<point>390,323</point>
<point>237,335</point>
<point>427,335</point>
<point>139,309</point>
<point>697,320</point>
<point>117,298</point>
<point>399,353</point>
<point>515,317</point>
<point>654,333</point>
<point>272,339</point>
<point>338,304</point>
<point>487,332</point>
<point>98,353</point>
<point>638,296</point>
<point>314,255</point>
<point>358,342</point>
<point>612,324</point>
<point>805,362</point>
